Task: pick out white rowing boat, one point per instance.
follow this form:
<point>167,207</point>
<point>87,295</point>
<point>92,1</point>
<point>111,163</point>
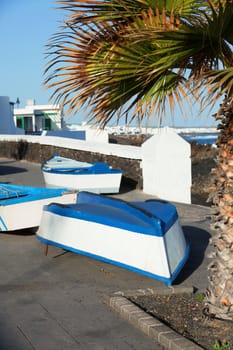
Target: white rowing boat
<point>145,237</point>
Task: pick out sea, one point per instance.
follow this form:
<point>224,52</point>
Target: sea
<point>202,135</point>
<point>201,138</point>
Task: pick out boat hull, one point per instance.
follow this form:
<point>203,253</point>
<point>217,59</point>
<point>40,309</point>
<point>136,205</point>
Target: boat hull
<point>95,183</point>
<point>159,255</point>
<point>25,212</point>
<point>96,178</point>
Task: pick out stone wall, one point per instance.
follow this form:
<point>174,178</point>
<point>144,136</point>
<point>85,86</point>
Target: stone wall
<point>35,152</point>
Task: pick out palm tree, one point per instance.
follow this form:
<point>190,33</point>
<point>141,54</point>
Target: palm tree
<point>138,58</point>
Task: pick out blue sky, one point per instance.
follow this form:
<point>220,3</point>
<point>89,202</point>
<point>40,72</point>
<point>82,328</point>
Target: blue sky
<point>26,26</point>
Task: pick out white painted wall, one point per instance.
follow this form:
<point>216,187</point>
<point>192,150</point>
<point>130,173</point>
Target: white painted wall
<point>7,125</point>
<point>92,133</point>
<point>96,135</point>
<point>166,166</point>
<point>131,152</point>
<point>165,160</point>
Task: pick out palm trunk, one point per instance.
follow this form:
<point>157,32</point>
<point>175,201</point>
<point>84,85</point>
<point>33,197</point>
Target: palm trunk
<point>219,296</point>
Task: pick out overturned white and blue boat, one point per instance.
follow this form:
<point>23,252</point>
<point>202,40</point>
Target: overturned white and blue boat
<point>145,237</point>
<point>21,206</point>
<point>97,177</point>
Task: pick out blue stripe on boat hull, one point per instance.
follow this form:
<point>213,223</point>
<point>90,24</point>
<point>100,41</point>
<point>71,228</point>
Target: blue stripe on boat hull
<point>3,226</point>
<point>167,281</point>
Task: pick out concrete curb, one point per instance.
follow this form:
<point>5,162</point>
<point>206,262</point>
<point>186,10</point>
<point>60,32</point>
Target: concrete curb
<point>149,325</point>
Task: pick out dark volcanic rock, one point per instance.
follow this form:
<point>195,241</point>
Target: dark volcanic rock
<point>203,161</point>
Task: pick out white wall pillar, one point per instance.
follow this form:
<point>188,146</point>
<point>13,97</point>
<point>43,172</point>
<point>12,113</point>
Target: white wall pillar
<point>166,166</point>
<point>34,123</point>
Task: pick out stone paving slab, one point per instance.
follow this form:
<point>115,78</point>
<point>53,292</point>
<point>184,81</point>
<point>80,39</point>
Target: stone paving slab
<point>58,301</point>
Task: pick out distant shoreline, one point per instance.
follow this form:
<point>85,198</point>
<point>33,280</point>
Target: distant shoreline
<point>129,130</point>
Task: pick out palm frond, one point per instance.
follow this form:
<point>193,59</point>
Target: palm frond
<point>220,83</point>
<point>133,56</point>
<point>118,10</point>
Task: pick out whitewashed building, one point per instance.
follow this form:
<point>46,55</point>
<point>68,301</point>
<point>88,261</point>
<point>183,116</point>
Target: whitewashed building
<point>35,118</point>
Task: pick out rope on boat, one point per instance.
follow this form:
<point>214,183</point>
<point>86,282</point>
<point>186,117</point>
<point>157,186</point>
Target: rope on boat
<point>7,192</point>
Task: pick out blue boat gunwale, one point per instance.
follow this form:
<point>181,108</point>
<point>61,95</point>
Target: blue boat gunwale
<point>80,171</point>
<point>65,160</point>
<point>95,168</point>
<point>22,194</point>
<point>115,213</point>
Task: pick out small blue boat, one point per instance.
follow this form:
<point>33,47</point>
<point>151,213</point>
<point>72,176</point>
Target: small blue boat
<point>145,237</point>
<point>97,177</point>
<point>21,206</point>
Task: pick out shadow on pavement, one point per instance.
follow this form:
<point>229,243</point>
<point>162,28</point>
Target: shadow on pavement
<point>7,170</point>
<point>21,232</point>
<point>198,240</point>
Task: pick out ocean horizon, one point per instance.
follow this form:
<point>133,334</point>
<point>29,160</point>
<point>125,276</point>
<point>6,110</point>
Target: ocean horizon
<point>200,138</point>
<point>201,135</point>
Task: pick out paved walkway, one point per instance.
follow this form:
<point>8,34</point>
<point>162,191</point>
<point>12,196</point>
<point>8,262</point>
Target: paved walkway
<point>59,301</point>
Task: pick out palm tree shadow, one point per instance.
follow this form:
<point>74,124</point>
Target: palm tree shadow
<point>198,240</point>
